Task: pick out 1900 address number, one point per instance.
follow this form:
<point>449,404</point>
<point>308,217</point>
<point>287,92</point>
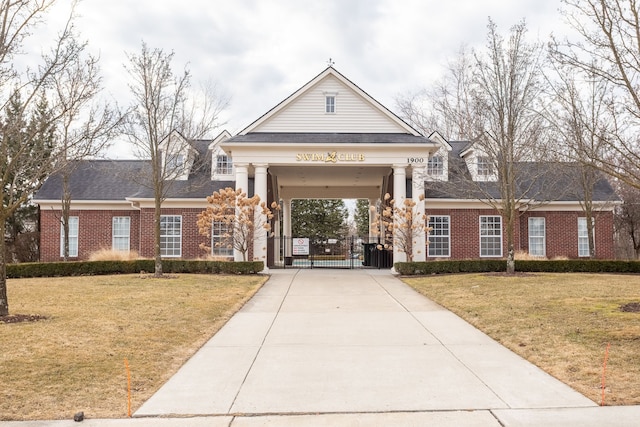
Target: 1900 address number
<point>415,159</point>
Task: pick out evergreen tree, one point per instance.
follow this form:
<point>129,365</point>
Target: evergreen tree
<point>318,218</point>
<point>20,139</point>
<point>362,217</point>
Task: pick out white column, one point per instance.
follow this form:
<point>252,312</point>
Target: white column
<point>419,236</point>
<point>374,227</point>
<point>399,195</point>
<point>260,236</point>
<point>286,225</point>
<point>242,183</point>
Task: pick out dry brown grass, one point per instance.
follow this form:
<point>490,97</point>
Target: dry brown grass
<point>560,322</point>
<point>111,255</point>
<point>74,360</point>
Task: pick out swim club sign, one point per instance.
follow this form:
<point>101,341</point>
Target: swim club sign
<point>330,157</point>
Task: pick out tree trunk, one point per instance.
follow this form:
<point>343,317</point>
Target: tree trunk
<point>66,212</point>
<point>4,302</point>
<point>156,221</point>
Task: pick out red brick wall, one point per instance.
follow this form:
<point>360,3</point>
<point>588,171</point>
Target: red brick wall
<point>191,239</point>
<point>95,228</point>
<point>562,233</point>
<point>94,232</point>
<point>465,231</point>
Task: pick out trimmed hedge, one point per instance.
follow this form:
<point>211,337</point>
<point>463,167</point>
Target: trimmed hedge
<point>95,268</point>
<point>488,266</point>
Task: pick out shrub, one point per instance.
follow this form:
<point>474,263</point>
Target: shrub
<point>548,266</point>
<point>91,268</point>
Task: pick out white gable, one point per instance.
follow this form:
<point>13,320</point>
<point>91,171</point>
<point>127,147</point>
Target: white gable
<point>355,111</point>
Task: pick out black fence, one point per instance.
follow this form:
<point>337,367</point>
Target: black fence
<point>347,252</point>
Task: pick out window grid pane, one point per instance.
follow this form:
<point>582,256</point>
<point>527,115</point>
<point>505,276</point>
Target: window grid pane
<point>73,237</point>
<point>485,168</point>
<point>220,244</point>
<point>330,105</point>
<point>224,166</point>
<point>435,166</point>
<point>490,236</point>
<point>439,236</point>
<point>171,235</point>
<point>583,237</point>
<point>121,233</point>
<point>537,246</point>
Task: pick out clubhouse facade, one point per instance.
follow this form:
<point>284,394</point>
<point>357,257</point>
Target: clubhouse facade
<point>327,140</point>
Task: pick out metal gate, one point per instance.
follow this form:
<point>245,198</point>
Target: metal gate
<point>347,252</point>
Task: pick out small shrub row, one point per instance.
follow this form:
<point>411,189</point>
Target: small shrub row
<point>447,267</point>
<point>95,268</point>
<point>488,266</point>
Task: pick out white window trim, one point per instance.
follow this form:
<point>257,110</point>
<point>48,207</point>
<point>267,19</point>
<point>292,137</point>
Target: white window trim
<point>491,175</point>
<point>179,237</point>
<point>115,236</point>
<point>480,235</point>
<point>586,236</point>
<point>214,248</point>
<point>328,95</point>
<point>448,237</point>
<point>215,175</point>
<point>544,235</point>
<point>72,236</point>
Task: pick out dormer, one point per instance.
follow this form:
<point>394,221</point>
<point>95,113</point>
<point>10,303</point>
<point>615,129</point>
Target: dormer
<point>480,164</point>
<point>221,162</point>
<point>177,156</point>
<point>437,168</point>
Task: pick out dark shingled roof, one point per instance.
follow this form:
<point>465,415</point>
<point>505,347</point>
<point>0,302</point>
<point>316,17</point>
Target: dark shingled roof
<point>541,181</point>
<point>120,179</point>
<point>329,138</point>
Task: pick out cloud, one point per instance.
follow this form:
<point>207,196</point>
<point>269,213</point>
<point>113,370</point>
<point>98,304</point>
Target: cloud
<point>260,51</point>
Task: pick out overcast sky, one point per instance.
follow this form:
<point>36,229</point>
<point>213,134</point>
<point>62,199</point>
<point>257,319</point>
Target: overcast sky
<point>261,51</point>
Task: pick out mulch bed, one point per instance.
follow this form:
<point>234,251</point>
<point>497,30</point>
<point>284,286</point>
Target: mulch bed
<point>632,307</point>
<point>19,318</point>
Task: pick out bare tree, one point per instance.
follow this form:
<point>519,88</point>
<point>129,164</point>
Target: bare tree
<point>25,165</point>
<point>400,224</point>
<point>237,214</point>
<point>85,128</point>
<point>581,115</point>
<point>627,219</point>
<point>609,33</point>
<point>445,107</point>
<point>506,88</point>
<point>164,120</point>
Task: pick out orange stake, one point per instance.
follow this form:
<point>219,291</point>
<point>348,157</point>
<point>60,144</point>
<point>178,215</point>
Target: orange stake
<point>126,365</point>
<point>604,372</point>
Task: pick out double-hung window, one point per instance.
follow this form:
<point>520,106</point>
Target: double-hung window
<point>485,167</point>
<point>435,165</point>
<point>175,163</point>
<point>120,233</point>
<point>439,236</point>
<point>537,245</point>
<point>73,237</point>
<point>224,165</point>
<point>583,237</point>
<point>171,235</point>
<point>330,104</point>
<point>221,239</point>
<point>490,236</point>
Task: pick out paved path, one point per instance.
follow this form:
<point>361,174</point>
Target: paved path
<point>358,347</point>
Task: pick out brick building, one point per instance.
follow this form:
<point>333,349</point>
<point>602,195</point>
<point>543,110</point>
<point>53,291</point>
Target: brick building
<point>329,139</point>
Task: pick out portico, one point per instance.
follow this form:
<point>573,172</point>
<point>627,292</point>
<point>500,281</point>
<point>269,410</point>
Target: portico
<point>333,166</point>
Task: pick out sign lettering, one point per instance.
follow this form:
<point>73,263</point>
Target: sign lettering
<point>330,157</point>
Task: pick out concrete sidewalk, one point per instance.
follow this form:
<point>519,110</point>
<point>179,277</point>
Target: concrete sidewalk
<point>357,347</point>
